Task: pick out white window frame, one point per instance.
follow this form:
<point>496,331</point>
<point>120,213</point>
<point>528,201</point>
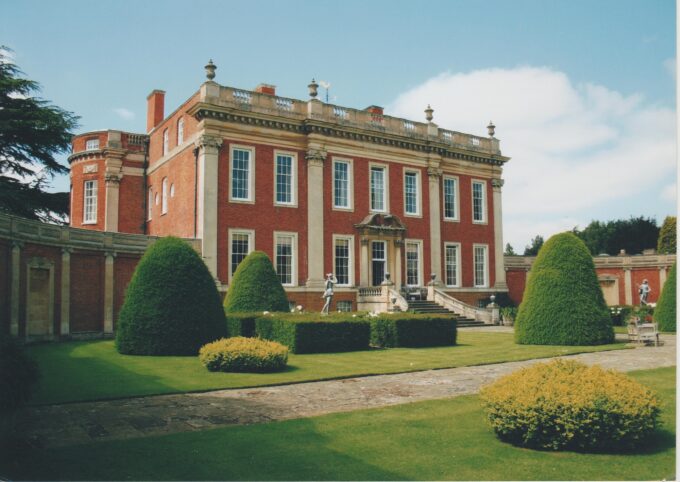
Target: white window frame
<point>386,187</point>
<point>350,184</point>
<point>164,196</point>
<point>180,131</point>
<point>350,266</point>
<point>93,196</point>
<point>294,260</point>
<point>484,202</point>
<point>166,141</point>
<point>251,174</point>
<point>149,211</point>
<point>419,244</point>
<point>92,144</point>
<point>419,203</point>
<point>458,265</point>
<point>251,245</point>
<point>485,284</point>
<point>294,175</point>
<point>456,200</point>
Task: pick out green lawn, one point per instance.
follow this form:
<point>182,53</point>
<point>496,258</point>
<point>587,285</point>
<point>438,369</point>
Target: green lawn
<point>440,440</point>
<point>77,371</point>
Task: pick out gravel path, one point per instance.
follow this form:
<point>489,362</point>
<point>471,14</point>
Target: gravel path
<point>88,422</point>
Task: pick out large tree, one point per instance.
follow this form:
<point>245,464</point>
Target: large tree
<point>667,236</point>
<point>534,247</point>
<point>610,237</point>
<point>32,133</point>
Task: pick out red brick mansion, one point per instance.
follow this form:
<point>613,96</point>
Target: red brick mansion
<point>318,187</point>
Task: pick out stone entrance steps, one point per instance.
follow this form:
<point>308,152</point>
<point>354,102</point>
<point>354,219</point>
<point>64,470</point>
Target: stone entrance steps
<point>422,306</point>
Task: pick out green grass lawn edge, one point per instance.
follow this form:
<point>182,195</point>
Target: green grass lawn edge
<point>64,389</point>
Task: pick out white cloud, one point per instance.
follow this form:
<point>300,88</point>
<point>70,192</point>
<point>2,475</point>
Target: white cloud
<point>124,113</point>
<point>670,193</point>
<point>574,147</point>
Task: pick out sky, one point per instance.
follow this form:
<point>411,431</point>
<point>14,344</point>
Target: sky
<point>583,92</point>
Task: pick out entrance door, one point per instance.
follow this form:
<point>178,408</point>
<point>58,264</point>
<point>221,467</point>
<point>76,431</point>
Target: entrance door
<point>378,262</point>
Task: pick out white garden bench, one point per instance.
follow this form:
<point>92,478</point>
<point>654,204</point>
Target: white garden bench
<point>643,332</point>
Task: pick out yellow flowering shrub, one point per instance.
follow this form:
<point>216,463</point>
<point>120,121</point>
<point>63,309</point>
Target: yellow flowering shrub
<point>241,354</point>
<point>564,404</point>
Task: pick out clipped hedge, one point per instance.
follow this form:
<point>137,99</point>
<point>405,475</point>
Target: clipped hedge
<point>255,286</point>
<point>411,330</point>
<point>665,312</point>
<point>240,354</point>
<point>18,374</point>
<point>172,306</point>
<point>620,314</point>
<point>563,302</point>
<point>242,324</point>
<point>314,333</point>
<point>564,404</point>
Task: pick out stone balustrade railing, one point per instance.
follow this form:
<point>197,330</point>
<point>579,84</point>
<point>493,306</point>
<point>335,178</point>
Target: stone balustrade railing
<point>485,315</point>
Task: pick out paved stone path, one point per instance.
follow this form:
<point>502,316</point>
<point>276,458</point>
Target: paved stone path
<point>68,424</point>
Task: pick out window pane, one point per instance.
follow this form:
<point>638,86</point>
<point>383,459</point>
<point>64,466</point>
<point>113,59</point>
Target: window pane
<point>452,265</point>
<point>284,259</point>
<point>450,198</point>
<point>240,175</point>
<point>342,261</point>
<point>378,262</point>
<point>377,188</point>
<point>180,131</point>
<point>90,201</point>
<point>165,142</point>
<point>480,266</point>
<point>92,144</point>
<point>411,193</point>
<point>478,201</point>
<point>239,249</point>
<point>412,264</point>
<point>164,196</point>
<point>284,179</point>
<point>341,184</point>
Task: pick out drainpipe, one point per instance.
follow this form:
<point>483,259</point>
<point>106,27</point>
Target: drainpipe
<point>145,194</point>
<point>195,190</point>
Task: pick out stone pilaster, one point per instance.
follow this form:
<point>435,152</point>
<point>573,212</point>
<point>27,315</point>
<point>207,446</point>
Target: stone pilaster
<point>65,327</point>
<point>434,175</point>
<point>662,278</point>
<point>363,269</point>
<point>497,184</point>
<point>628,285</point>
<point>112,202</point>
<point>108,291</point>
<point>208,163</point>
<point>398,243</point>
<point>15,288</point>
<point>315,240</point>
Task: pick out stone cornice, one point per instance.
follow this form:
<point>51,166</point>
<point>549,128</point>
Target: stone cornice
<point>97,154</point>
<point>306,126</point>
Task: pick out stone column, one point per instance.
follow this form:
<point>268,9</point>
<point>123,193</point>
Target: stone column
<point>315,239</point>
<point>65,328</point>
<point>398,243</point>
<point>112,200</point>
<point>15,290</point>
<point>435,175</point>
<point>662,279</point>
<point>627,286</point>
<point>108,292</point>
<point>501,283</point>
<point>208,163</point>
<point>363,269</point>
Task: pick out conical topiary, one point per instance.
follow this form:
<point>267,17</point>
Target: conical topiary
<point>563,302</point>
<point>665,313</point>
<point>255,286</point>
<point>172,306</point>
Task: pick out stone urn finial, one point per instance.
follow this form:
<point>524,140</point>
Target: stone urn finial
<point>210,70</point>
<point>313,89</point>
<point>491,128</point>
<point>428,113</point>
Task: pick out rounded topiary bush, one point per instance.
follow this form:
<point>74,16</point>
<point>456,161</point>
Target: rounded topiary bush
<point>564,404</point>
<point>665,313</point>
<point>563,302</point>
<point>172,306</point>
<point>255,286</point>
<point>241,354</point>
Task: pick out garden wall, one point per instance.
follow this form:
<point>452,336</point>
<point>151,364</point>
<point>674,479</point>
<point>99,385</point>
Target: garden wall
<point>619,276</point>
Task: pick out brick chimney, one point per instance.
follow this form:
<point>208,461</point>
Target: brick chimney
<point>266,89</point>
<point>155,105</point>
<point>374,109</point>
